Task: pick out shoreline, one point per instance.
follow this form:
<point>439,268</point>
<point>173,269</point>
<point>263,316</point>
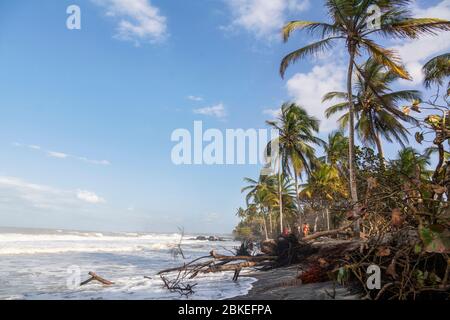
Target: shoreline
<point>281,284</point>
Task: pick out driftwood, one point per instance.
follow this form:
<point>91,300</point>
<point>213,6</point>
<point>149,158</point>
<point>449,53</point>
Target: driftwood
<point>277,254</point>
<point>219,263</point>
<point>245,258</point>
<point>96,277</point>
<point>317,235</point>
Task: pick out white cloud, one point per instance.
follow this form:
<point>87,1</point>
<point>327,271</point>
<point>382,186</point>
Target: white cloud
<point>308,89</point>
<point>217,111</point>
<point>195,98</point>
<point>138,20</point>
<point>58,155</point>
<point>261,17</point>
<point>89,197</point>
<point>274,113</point>
<point>415,53</point>
<point>97,162</point>
<point>62,155</point>
<point>20,193</point>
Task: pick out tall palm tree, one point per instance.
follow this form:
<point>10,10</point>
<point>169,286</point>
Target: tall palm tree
<point>350,21</point>
<point>376,106</point>
<point>296,154</point>
<point>436,70</point>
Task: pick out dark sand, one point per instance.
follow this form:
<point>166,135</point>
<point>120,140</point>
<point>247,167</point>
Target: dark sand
<point>280,284</point>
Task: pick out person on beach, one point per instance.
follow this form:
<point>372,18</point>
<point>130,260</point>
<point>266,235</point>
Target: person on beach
<point>305,229</point>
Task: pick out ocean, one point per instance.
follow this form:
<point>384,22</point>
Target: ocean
<point>41,265</point>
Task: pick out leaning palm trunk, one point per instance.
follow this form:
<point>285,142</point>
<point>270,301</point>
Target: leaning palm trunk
<point>380,149</point>
<point>351,147</point>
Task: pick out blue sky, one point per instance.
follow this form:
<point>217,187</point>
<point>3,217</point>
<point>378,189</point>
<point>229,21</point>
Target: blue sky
<point>87,115</point>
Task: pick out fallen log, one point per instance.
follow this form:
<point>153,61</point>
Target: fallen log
<point>343,231</point>
<point>223,260</point>
<point>96,277</point>
<point>245,258</point>
<point>230,267</point>
<point>327,234</point>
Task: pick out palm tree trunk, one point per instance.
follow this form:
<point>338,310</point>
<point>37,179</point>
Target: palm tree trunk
<point>270,223</point>
<point>265,228</point>
<point>351,138</point>
<point>280,192</point>
<point>379,148</point>
<point>298,202</point>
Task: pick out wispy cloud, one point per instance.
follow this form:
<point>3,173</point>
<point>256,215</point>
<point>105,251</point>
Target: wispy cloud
<point>20,193</point>
<point>263,18</point>
<point>274,113</point>
<point>195,98</point>
<point>61,155</point>
<point>137,20</point>
<point>58,155</point>
<point>89,197</point>
<point>217,111</point>
<point>415,53</point>
<point>308,89</point>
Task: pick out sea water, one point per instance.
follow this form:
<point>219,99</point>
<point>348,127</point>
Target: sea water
<point>36,264</point>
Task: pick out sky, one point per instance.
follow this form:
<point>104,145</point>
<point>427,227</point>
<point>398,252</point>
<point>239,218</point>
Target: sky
<point>86,116</point>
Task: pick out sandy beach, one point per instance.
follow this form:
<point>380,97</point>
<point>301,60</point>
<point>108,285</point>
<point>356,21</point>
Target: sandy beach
<point>280,284</point>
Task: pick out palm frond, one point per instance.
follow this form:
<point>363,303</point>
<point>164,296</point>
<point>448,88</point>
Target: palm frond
<point>436,70</point>
<point>324,29</point>
<point>415,27</point>
<point>310,49</point>
<point>386,57</point>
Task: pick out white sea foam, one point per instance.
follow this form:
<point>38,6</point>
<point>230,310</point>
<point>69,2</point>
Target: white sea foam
<point>33,265</point>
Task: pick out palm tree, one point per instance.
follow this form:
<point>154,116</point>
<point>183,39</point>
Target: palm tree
<point>350,21</point>
<point>436,70</point>
<point>296,136</point>
<point>261,197</point>
<point>325,184</point>
<point>411,164</point>
<point>336,151</point>
<point>376,106</point>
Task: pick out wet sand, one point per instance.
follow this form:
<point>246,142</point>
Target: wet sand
<point>281,284</point>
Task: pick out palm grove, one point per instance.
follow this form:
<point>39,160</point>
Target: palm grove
<point>357,183</point>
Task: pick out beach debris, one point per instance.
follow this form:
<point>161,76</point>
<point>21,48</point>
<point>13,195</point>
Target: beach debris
<point>177,285</point>
<point>96,277</point>
<point>177,250</point>
<point>179,279</point>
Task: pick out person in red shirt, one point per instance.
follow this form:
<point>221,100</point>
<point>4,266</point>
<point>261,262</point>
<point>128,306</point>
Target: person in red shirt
<point>305,229</point>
